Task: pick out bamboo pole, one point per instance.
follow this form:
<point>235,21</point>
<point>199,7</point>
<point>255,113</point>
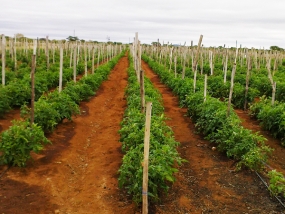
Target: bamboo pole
<point>146,158</point>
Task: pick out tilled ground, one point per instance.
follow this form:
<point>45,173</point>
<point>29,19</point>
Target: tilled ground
<point>207,183</point>
<point>78,172</point>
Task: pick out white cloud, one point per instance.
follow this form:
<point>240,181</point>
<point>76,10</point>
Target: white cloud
<point>251,23</point>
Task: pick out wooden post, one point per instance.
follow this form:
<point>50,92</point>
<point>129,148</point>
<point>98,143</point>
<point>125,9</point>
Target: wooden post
<point>226,67</point>
<point>273,84</point>
<point>211,62</point>
<point>146,158</point>
<point>170,58</point>
<point>175,65</point>
<point>70,59</point>
<point>85,59</point>
<point>205,87</point>
<point>273,93</point>
<point>3,58</point>
<point>74,63</point>
<point>47,53</point>
<point>184,60</point>
<point>60,70</point>
<point>195,77</point>
<point>98,58</point>
<point>93,53</point>
<point>247,81</point>
<point>33,83</point>
<point>15,53</point>
<point>142,91</point>
<point>197,53</point>
<point>232,83</point>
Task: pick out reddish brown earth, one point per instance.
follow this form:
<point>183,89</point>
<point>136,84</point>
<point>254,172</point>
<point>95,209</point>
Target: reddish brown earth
<point>277,159</point>
<point>207,183</point>
<point>78,172</point>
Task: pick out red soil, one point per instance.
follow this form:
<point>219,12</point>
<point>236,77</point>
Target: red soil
<point>207,183</point>
<point>78,172</point>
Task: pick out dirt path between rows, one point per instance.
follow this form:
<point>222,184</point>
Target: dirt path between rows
<point>277,159</point>
<point>15,112</point>
<point>207,183</point>
<point>78,172</point>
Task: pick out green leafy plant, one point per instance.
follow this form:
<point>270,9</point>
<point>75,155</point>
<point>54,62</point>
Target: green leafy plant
<point>19,140</point>
<point>276,183</point>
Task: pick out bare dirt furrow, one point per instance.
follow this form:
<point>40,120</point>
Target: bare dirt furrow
<point>207,183</point>
<point>78,172</point>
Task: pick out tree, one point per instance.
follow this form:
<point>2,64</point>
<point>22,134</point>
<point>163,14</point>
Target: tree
<point>72,38</point>
<point>19,35</point>
<point>276,48</point>
<point>156,44</point>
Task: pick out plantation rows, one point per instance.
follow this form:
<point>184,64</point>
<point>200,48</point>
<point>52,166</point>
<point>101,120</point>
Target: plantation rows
<point>258,74</point>
<point>208,112</point>
<point>211,119</point>
<point>50,109</point>
<point>77,60</point>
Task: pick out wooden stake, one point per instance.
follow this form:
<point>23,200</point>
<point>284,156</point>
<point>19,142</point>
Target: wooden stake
<point>226,67</point>
<point>142,91</point>
<point>247,81</point>
<point>74,63</point>
<point>47,53</point>
<point>85,59</point>
<point>232,83</point>
<point>3,58</point>
<point>273,93</point>
<point>33,83</point>
<point>197,53</point>
<point>146,158</point>
<point>98,58</point>
<point>205,87</point>
<point>60,69</point>
<point>93,52</point>
<point>175,64</point>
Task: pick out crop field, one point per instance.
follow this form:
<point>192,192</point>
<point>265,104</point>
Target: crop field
<point>73,128</point>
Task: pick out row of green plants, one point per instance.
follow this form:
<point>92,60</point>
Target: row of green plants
<point>22,137</point>
<point>211,119</point>
<point>259,81</point>
<point>272,117</point>
<point>163,157</point>
<point>18,90</point>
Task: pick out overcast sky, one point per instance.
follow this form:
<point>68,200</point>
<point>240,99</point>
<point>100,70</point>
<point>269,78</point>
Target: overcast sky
<point>252,23</point>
